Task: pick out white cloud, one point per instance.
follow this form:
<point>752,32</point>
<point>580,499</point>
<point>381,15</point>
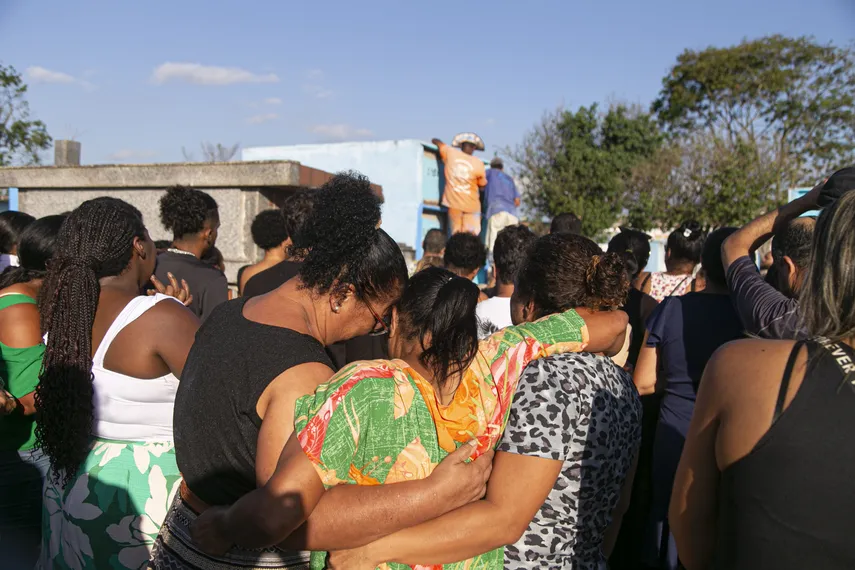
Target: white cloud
<point>340,131</point>
<point>273,101</point>
<point>315,74</point>
<point>199,74</point>
<point>37,74</point>
<point>261,119</point>
<point>318,91</point>
<point>131,154</point>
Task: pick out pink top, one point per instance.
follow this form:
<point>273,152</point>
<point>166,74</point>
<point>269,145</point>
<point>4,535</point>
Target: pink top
<point>664,285</point>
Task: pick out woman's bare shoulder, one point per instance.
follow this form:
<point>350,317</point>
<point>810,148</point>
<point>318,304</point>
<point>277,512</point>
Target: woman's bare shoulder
<point>746,364</point>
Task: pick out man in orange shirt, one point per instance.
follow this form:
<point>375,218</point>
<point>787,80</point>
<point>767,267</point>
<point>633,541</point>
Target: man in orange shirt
<point>465,175</point>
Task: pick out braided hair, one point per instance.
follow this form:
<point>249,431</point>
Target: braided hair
<point>35,248</point>
<point>95,241</point>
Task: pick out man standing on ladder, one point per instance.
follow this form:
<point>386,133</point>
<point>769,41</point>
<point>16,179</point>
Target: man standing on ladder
<point>465,175</point>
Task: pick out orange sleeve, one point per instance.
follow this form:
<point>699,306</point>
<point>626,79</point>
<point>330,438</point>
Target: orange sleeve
<point>482,175</point>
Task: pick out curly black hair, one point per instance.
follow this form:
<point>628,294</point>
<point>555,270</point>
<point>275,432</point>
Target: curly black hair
<point>12,224</point>
<point>341,242</point>
<point>465,251</point>
<point>296,210</point>
<point>565,271</point>
<point>35,248</point>
<point>95,241</point>
<point>509,252</point>
<point>184,211</point>
<point>268,229</point>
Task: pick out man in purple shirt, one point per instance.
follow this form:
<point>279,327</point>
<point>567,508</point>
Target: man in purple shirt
<point>502,199</point>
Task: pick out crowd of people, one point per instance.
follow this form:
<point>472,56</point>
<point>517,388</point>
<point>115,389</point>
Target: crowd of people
<point>577,412</point>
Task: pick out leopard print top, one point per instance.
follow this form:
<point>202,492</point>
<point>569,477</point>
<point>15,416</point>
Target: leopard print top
<point>584,410</point>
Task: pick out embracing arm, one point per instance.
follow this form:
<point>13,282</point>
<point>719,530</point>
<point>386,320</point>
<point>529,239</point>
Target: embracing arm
<point>477,528</point>
<point>376,511</point>
<point>267,515</point>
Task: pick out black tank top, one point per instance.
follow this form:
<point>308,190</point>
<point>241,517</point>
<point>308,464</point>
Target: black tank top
<point>790,503</point>
<point>215,424</point>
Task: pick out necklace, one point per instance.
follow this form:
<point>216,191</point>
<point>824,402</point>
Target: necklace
<point>181,251</point>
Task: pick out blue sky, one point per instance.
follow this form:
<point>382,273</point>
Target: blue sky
<point>137,81</point>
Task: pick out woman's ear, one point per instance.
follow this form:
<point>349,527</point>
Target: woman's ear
<point>340,293</point>
<point>139,248</point>
<point>528,311</point>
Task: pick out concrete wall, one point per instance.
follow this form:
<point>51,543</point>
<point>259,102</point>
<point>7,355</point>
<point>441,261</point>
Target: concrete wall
<point>396,165</point>
<point>237,210</point>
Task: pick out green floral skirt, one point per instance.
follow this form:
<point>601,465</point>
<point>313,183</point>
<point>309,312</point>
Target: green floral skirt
<point>109,515</point>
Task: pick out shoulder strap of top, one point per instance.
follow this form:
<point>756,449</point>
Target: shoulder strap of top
<point>16,299</point>
<point>129,314</point>
<point>785,381</point>
<point>646,281</point>
<point>678,286</point>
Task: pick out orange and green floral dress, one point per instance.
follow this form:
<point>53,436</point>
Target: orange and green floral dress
<point>380,421</point>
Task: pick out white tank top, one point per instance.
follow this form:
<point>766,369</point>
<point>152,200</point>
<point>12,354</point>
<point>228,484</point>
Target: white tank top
<point>129,408</point>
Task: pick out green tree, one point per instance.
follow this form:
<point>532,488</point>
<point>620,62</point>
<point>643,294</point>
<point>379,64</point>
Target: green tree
<point>579,162</point>
<point>793,97</point>
<point>21,139</point>
<point>705,178</point>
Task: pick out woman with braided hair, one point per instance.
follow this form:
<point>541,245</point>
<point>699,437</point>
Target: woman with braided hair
<point>22,465</point>
<point>105,396</point>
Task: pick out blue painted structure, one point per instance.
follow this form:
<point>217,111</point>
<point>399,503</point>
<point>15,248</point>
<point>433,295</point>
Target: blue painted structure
<point>798,193</point>
<point>409,171</point>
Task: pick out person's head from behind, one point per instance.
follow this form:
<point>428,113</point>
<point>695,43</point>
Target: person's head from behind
<point>12,225</point>
<point>191,215</point>
<point>435,323</point>
<point>684,246</point>
<point>37,244</point>
<point>497,164</point>
<point>566,223</point>
<point>634,247</point>
<point>791,247</point>
<point>711,261</point>
<point>214,258</point>
<point>827,297</point>
<point>354,268</point>
<point>269,230</point>
<point>464,255</point>
<point>509,252</point>
<point>296,211</point>
<point>434,242</point>
<point>102,243</point>
<point>566,271</point>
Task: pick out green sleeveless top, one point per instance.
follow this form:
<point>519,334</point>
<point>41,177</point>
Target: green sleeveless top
<point>19,369</point>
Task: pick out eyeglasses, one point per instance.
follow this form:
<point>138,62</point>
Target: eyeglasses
<point>381,325</point>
